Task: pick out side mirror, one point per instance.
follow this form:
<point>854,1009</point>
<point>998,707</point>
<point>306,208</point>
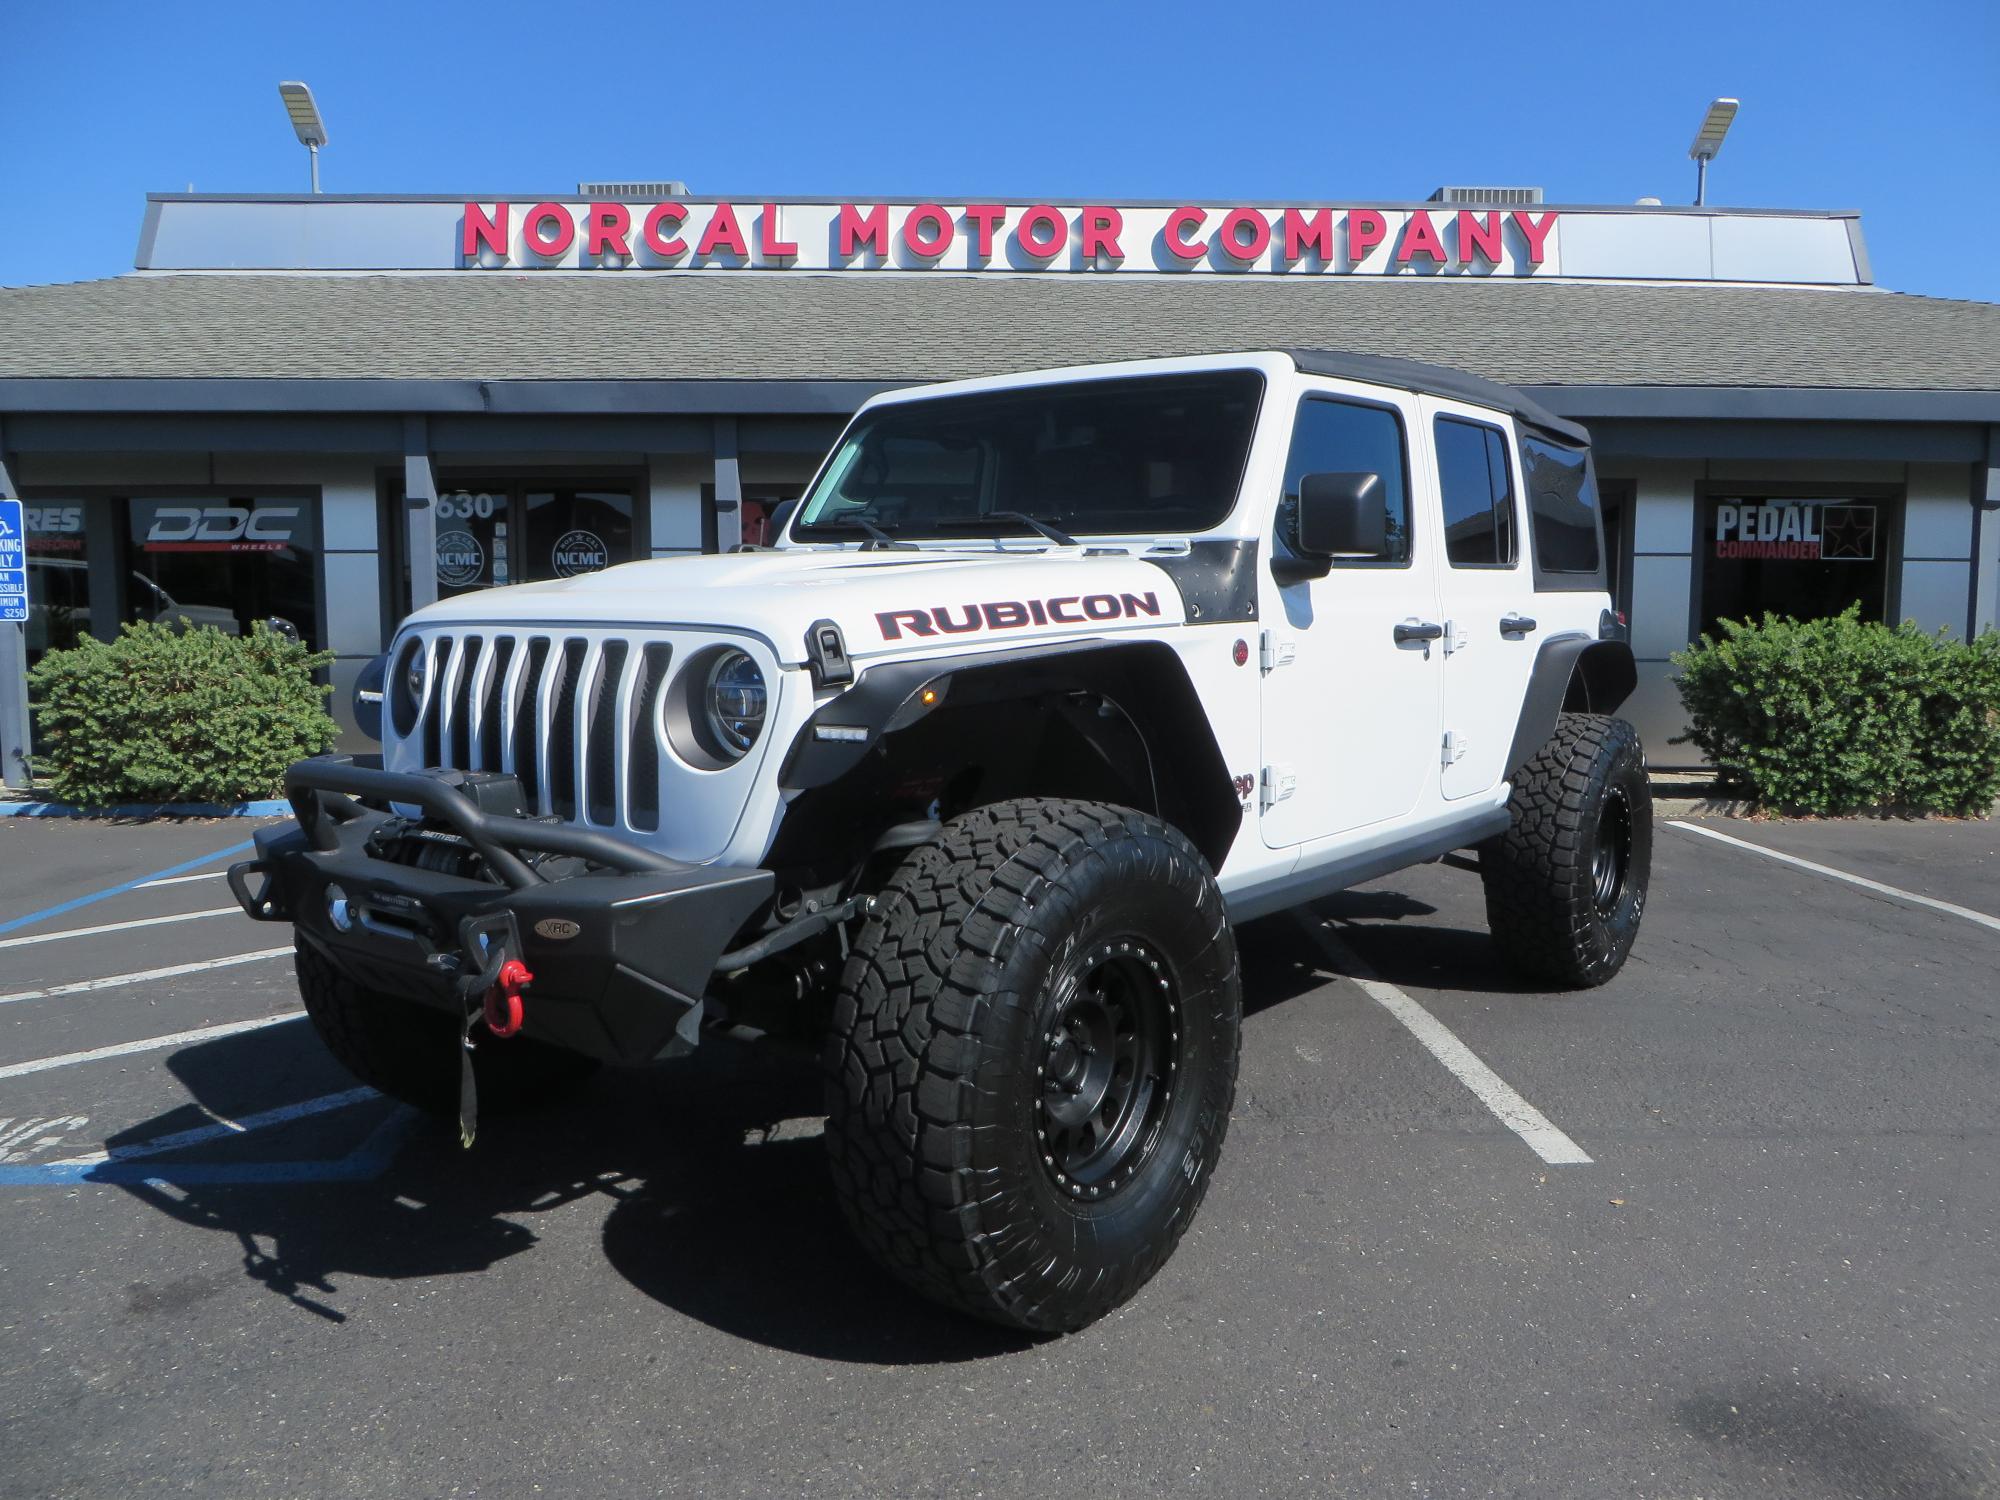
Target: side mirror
<point>368,697</point>
<point>1341,515</point>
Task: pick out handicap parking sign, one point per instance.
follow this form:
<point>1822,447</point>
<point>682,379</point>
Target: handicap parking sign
<point>13,562</point>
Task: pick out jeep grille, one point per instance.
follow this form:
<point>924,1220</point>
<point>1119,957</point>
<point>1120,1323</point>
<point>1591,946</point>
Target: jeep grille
<point>575,717</point>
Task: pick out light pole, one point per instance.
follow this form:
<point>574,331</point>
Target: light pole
<point>1708,141</point>
<point>306,123</point>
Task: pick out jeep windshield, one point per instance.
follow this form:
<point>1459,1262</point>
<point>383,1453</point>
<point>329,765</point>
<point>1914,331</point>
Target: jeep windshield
<point>1149,456</point>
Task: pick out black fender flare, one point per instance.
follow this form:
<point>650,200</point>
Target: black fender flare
<point>894,695</point>
<point>1574,671</point>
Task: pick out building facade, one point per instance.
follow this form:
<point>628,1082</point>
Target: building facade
<point>324,411</point>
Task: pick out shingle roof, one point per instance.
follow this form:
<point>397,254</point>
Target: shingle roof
<point>885,327</point>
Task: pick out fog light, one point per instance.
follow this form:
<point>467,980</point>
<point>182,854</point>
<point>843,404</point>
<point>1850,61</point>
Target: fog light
<point>337,910</point>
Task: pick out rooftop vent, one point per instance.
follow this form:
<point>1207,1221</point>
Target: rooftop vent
<point>1502,197</point>
<point>632,191</point>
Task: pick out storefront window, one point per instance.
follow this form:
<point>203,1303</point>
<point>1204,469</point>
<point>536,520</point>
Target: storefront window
<point>224,562</point>
<point>576,531</point>
<point>473,541</point>
<point>495,532</point>
<point>58,577</point>
<point>1804,558</point>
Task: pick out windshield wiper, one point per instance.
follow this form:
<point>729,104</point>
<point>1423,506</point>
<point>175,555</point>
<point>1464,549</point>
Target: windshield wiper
<point>877,537</point>
<point>1060,538</point>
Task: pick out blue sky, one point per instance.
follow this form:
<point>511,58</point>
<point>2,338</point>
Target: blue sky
<point>1893,110</point>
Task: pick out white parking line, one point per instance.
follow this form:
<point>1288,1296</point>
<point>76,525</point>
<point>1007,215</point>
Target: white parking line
<point>147,885</point>
<point>146,1044</point>
<point>77,932</point>
<point>284,1114</point>
<point>113,981</point>
<point>1893,892</point>
<point>1516,1113</point>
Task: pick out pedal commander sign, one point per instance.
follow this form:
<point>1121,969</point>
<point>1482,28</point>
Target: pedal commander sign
<point>1795,530</point>
<point>683,233</point>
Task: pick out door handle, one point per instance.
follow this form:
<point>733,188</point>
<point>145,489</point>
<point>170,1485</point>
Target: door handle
<point>1516,625</point>
<point>1418,630</point>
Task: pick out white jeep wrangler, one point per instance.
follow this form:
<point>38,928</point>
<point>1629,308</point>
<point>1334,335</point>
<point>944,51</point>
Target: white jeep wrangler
<point>1049,681</point>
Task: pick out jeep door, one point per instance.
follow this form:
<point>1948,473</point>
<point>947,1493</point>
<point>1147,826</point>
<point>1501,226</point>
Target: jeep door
<point>1351,695</point>
<point>1487,592</point>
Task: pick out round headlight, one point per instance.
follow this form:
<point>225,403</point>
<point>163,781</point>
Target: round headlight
<point>734,699</point>
<point>416,674</point>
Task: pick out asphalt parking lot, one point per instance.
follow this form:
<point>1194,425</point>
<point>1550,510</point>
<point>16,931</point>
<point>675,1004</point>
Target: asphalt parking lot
<point>228,1271</point>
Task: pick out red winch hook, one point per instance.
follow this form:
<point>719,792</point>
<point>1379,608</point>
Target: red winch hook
<point>504,1005</point>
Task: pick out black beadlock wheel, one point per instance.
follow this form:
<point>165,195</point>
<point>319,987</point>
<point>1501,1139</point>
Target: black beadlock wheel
<point>1032,1059</point>
<point>410,1052</point>
<point>1566,884</point>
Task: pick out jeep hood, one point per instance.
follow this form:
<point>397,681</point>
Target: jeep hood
<point>882,601</point>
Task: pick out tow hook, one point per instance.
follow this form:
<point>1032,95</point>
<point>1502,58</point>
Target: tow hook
<point>506,1003</point>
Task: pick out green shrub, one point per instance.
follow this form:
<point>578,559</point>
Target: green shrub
<point>164,715</point>
<point>1834,716</point>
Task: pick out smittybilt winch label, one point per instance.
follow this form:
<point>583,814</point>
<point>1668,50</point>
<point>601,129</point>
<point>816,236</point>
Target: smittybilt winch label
<point>1012,614</point>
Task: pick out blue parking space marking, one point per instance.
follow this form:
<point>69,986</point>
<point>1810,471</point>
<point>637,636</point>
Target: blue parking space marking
<point>364,1163</point>
<point>118,890</point>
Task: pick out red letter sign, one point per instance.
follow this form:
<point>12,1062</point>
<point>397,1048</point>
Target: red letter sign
<point>857,228</point>
<point>1475,238</point>
<point>1537,233</point>
<point>723,233</point>
<point>649,229</point>
<point>604,229</point>
<point>482,232</point>
<point>984,219</point>
<point>1179,222</point>
<point>928,231</point>
<point>1420,237</point>
<point>1044,217</point>
<point>1101,228</point>
<point>769,245</point>
<point>1234,243</point>
<point>1302,234</point>
<point>543,213</point>
<point>1365,230</point>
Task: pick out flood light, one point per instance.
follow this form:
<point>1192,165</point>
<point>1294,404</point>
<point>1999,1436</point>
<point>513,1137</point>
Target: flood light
<point>1708,141</point>
<point>306,122</point>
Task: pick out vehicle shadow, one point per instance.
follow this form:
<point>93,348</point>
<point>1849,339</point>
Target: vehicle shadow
<point>1410,954</point>
<point>718,1201</point>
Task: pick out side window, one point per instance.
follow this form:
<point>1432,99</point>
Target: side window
<point>1478,488</point>
<point>1333,436</point>
<point>1562,497</point>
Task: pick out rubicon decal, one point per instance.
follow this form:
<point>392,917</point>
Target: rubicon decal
<point>1013,614</point>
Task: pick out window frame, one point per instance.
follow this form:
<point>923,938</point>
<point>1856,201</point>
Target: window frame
<point>1287,559</point>
<point>1515,495</point>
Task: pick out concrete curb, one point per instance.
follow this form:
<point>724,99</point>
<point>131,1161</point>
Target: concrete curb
<point>1701,807</point>
<point>271,808</point>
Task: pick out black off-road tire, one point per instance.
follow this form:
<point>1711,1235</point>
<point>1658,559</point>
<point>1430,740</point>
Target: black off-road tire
<point>409,1051</point>
<point>989,978</point>
<point>1566,884</point>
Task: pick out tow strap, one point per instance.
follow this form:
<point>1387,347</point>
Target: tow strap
<point>496,994</point>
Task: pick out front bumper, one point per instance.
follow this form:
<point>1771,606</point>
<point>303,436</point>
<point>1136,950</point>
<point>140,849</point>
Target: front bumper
<point>621,950</point>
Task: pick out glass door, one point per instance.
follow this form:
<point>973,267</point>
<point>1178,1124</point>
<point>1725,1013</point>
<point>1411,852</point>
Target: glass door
<point>493,532</point>
<point>566,532</point>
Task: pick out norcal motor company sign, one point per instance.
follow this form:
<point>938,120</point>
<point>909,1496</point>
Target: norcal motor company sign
<point>692,234</point>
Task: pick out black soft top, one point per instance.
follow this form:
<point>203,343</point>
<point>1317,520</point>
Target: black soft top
<point>1437,380</point>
